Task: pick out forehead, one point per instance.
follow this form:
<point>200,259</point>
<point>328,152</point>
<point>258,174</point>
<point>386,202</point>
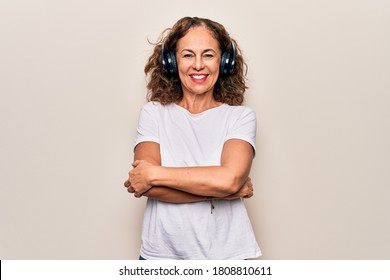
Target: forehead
<point>198,38</point>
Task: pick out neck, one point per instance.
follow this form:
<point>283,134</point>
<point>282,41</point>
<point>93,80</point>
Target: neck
<point>197,104</point>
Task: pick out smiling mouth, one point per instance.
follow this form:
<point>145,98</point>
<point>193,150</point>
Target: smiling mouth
<point>199,78</point>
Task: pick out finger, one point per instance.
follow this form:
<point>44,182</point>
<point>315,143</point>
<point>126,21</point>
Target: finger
<point>130,189</point>
<point>127,184</point>
<point>137,195</point>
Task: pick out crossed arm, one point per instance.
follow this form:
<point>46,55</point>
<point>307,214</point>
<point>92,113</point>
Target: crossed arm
<point>190,184</point>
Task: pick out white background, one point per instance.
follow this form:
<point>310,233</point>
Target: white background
<point>72,84</point>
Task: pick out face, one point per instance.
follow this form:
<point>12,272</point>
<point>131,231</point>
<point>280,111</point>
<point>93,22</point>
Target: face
<point>198,57</point>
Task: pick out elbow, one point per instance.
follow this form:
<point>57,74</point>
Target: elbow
<point>231,185</point>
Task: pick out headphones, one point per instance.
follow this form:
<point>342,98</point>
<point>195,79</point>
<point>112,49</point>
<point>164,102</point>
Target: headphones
<point>225,68</point>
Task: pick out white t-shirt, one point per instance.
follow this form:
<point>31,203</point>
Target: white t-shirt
<point>192,230</point>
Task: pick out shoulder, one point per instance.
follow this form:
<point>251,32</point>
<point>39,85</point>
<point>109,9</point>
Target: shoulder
<point>151,105</point>
<point>156,106</point>
<point>241,111</point>
<point>151,108</point>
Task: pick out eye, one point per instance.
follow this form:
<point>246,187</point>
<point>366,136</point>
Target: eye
<point>187,55</point>
<point>208,55</point>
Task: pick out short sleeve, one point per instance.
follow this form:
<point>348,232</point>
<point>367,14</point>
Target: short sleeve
<point>147,129</point>
<point>244,127</point>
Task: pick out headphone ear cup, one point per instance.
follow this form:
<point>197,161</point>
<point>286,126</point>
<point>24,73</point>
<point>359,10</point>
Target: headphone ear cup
<point>164,61</point>
<point>224,67</point>
<point>171,63</point>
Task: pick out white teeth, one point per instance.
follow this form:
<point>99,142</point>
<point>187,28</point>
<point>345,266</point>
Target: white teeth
<point>198,77</point>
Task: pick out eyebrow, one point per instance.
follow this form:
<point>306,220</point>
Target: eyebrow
<point>204,51</point>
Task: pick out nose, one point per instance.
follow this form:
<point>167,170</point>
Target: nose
<point>198,63</point>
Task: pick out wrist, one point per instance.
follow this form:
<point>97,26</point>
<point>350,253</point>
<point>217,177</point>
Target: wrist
<point>154,175</point>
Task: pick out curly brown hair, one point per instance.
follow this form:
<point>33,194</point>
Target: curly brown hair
<point>167,89</point>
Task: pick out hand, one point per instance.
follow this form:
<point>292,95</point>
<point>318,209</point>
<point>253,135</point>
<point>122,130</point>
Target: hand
<point>138,181</point>
<point>246,191</point>
<point>127,185</point>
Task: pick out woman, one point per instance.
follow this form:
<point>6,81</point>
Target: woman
<point>194,148</point>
